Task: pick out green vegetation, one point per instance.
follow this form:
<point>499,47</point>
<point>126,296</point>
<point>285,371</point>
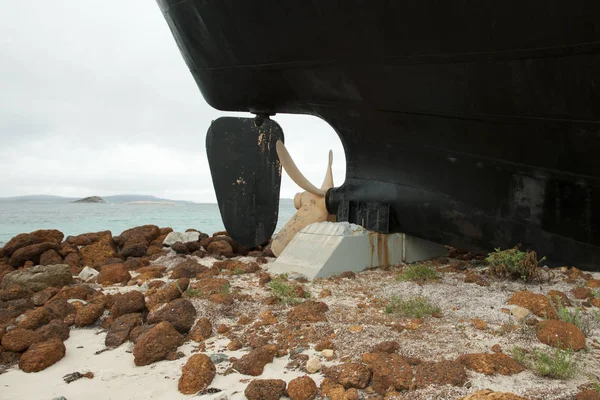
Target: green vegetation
<point>418,273</point>
<point>225,289</point>
<point>285,291</point>
<point>514,263</point>
<point>237,271</point>
<point>555,363</point>
<point>586,322</point>
<point>415,307</point>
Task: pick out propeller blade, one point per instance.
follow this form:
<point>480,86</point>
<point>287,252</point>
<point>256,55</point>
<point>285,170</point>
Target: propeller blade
<point>292,170</point>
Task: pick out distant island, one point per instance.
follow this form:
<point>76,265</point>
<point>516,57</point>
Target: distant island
<point>92,199</point>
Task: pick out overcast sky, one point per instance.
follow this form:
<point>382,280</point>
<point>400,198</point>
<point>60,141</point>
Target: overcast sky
<point>95,99</point>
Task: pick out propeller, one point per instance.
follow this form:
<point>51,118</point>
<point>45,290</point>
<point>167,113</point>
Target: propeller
<point>310,203</point>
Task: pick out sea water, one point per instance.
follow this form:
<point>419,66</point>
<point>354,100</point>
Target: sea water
<point>77,218</point>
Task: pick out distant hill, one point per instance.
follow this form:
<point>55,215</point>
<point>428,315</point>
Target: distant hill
<point>121,198</point>
<point>92,199</point>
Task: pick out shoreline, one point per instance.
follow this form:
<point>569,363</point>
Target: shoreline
<point>258,326</point>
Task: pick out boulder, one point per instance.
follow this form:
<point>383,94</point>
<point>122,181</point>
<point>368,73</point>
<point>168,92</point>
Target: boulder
<point>490,364</point>
<point>253,363</point>
<point>28,239</point>
<point>83,292</point>
<point>167,293</point>
<point>54,329</point>
<point>181,313</point>
<point>309,311</point>
<point>99,252</point>
<point>440,373</point>
<point>146,232</point>
<point>50,257</point>
<point>202,330</point>
<point>180,248</point>
<point>265,389</point>
<point>538,304</point>
<point>31,253</point>
<point>302,388</point>
<point>349,375</point>
<point>89,314</point>
<point>127,303</point>
<point>136,246</point>
<point>156,344</point>
<point>113,273</point>
<point>40,277</point>
<point>40,298</point>
<point>390,372</point>
<point>121,328</point>
<point>187,269</point>
<point>197,373</point>
<point>182,237</point>
<point>87,238</point>
<point>20,339</point>
<point>41,355</point>
<point>60,308</point>
<point>563,335</point>
<point>220,248</point>
<point>36,318</point>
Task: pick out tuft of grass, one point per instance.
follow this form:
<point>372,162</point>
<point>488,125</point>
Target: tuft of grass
<point>596,387</point>
<point>586,322</point>
<point>284,290</point>
<point>514,263</point>
<point>555,364</point>
<point>237,271</point>
<point>414,307</point>
<point>418,273</point>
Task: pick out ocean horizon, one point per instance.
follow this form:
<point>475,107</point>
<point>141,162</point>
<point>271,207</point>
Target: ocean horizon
<point>78,218</point>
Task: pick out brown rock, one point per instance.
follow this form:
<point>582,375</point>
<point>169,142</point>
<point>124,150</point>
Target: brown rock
<point>385,347</point>
<point>89,314</point>
<point>83,292</point>
<point>265,389</point>
<point>147,232</point>
<point>50,257</point>
<point>42,297</point>
<point>60,308</point>
<point>234,344</point>
<point>220,248</point>
<point>324,344</point>
<point>20,339</point>
<point>121,328</point>
<point>488,394</point>
<point>349,375</point>
<point>98,253</point>
<point>309,311</point>
<point>490,364</point>
<point>155,344</point>
<point>113,273</point>
<point>390,372</point>
<point>187,269</point>
<point>28,239</point>
<point>127,303</point>
<point>66,249</point>
<point>302,388</point>
<point>206,287</point>
<point>15,292</point>
<point>139,331</point>
<point>181,248</point>
<point>221,298</point>
<point>593,283</point>
<point>595,302</point>
<point>440,373</point>
<point>197,373</point>
<point>254,362</point>
<point>87,238</point>
<point>54,329</point>
<point>42,355</point>
<point>202,330</point>
<point>9,357</point>
<point>33,319</point>
<point>168,293</point>
<point>589,394</point>
<point>479,324</point>
<point>332,390</point>
<point>136,246</point>
<point>538,304</point>
<point>154,250</point>
<point>563,335</point>
<point>556,296</point>
<point>582,293</point>
<point>181,313</point>
<point>267,318</point>
<point>237,266</point>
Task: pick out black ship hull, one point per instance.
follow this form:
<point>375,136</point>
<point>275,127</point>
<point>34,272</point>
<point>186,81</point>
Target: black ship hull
<point>469,123</point>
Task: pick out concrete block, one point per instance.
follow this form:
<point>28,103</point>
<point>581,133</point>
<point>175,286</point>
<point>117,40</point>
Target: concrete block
<point>325,248</point>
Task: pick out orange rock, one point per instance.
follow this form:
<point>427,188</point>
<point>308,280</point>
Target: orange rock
<point>197,373</point>
<point>440,373</point>
<point>490,364</point>
<point>487,394</point>
<point>563,335</point>
<point>302,388</point>
<point>538,304</point>
<point>479,324</point>
<point>355,328</point>
<point>113,273</point>
<point>593,283</point>
<point>41,355</point>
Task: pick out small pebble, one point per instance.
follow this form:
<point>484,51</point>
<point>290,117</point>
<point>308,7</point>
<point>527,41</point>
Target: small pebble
<point>327,353</point>
<point>218,358</point>
<point>313,365</point>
